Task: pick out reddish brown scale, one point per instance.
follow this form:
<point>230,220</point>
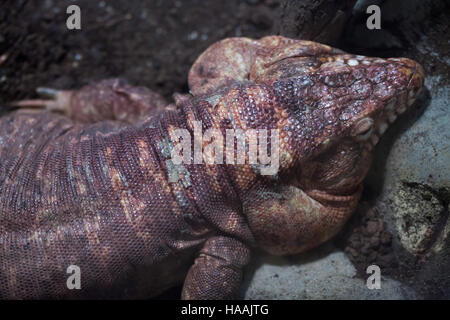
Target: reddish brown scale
<point>98,195</point>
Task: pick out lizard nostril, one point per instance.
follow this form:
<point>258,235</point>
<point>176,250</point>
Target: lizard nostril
<point>415,85</point>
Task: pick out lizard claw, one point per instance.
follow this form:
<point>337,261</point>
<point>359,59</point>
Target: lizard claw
<point>48,92</point>
<point>58,100</point>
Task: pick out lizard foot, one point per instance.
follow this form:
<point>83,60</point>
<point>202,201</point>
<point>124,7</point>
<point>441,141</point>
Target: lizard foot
<point>57,101</point>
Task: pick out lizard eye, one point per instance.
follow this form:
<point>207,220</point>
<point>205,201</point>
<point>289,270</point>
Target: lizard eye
<point>363,129</point>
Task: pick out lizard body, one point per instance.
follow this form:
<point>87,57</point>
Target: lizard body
<point>92,188</point>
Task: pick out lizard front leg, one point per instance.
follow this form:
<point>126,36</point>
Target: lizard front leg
<point>217,272</point>
<point>111,99</point>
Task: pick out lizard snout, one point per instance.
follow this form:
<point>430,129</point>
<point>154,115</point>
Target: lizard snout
<point>414,72</point>
<point>407,76</point>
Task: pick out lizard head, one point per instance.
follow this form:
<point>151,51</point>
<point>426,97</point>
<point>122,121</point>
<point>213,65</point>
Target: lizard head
<point>338,106</point>
<point>330,109</point>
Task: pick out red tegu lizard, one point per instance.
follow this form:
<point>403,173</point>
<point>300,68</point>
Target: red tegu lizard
<point>91,188</point>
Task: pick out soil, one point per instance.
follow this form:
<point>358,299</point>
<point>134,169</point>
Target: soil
<point>150,43</point>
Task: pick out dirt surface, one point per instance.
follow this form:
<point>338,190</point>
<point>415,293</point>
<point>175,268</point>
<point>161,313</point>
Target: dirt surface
<point>150,43</point>
<point>154,43</point>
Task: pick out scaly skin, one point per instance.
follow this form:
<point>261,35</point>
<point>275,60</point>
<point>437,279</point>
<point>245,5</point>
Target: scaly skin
<point>91,188</point>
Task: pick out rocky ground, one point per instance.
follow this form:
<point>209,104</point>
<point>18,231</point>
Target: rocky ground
<point>402,223</point>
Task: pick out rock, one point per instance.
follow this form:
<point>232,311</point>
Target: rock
<point>325,273</point>
<point>416,212</point>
